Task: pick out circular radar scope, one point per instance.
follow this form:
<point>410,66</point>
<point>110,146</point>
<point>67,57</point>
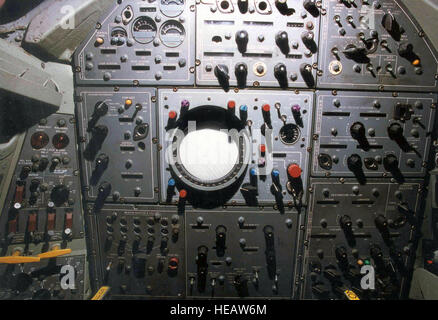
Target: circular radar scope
<point>172,33</point>
<point>212,157</point>
<point>144,30</point>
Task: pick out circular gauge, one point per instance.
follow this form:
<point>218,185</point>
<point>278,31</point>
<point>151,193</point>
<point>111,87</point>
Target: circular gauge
<point>172,33</point>
<point>118,36</point>
<point>60,141</point>
<point>144,30</point>
<point>119,32</point>
<point>172,8</point>
<point>290,133</point>
<point>39,140</point>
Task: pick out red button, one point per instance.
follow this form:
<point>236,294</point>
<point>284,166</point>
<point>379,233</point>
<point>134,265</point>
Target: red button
<point>262,148</point>
<point>172,114</point>
<point>231,104</point>
<point>266,108</point>
<point>183,194</point>
<point>294,171</point>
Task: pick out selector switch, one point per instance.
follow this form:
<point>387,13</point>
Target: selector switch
<point>241,72</point>
<point>242,40</point>
<point>282,41</point>
<point>222,74</point>
<point>280,73</point>
<point>311,7</point>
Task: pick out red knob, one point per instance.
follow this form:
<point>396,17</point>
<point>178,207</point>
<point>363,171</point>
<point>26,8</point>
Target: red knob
<point>266,108</point>
<point>231,104</point>
<point>294,171</point>
<point>183,194</point>
<point>173,263</point>
<point>172,115</point>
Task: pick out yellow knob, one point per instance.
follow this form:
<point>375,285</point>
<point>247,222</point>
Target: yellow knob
<point>15,258</point>
<point>54,253</point>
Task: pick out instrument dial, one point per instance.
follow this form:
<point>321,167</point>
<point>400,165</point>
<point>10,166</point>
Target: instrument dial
<point>144,30</point>
<point>172,33</point>
<point>39,140</point>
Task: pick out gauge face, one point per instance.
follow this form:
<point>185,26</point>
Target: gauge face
<point>144,30</point>
<point>290,133</point>
<point>39,140</point>
<point>172,8</point>
<point>172,33</point>
<point>119,32</point>
<point>60,141</point>
<point>172,2</point>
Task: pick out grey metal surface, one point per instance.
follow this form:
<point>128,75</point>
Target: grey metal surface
<point>40,281</point>
<point>36,198</point>
<point>245,256</point>
<point>333,123</point>
<point>279,154</point>
<point>22,76</point>
<point>161,55</point>
<point>380,67</point>
<point>330,201</point>
<point>128,235</point>
<point>132,161</point>
<point>218,23</point>
<point>59,29</point>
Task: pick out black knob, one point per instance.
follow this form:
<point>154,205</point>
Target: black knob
<point>104,191</point>
<point>43,164</point>
<point>201,261</point>
<point>395,131</point>
<point>346,223</point>
<point>55,162</point>
<point>306,71</point>
<point>341,254</point>
<point>34,184</point>
<point>376,253</point>
<point>241,72</point>
<point>101,162</point>
<point>282,41</point>
<point>311,7</point>
<point>100,109</point>
<point>25,172</point>
<point>280,73</point>
<point>390,163</point>
<point>242,5</point>
<point>242,41</point>
<point>221,234</point>
<point>355,53</point>
<point>357,131</point>
<point>222,75</point>
<point>405,49</point>
<point>202,256</point>
<point>308,38</point>
<point>381,223</point>
<point>59,194</point>
<point>354,162</point>
<point>391,25</point>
